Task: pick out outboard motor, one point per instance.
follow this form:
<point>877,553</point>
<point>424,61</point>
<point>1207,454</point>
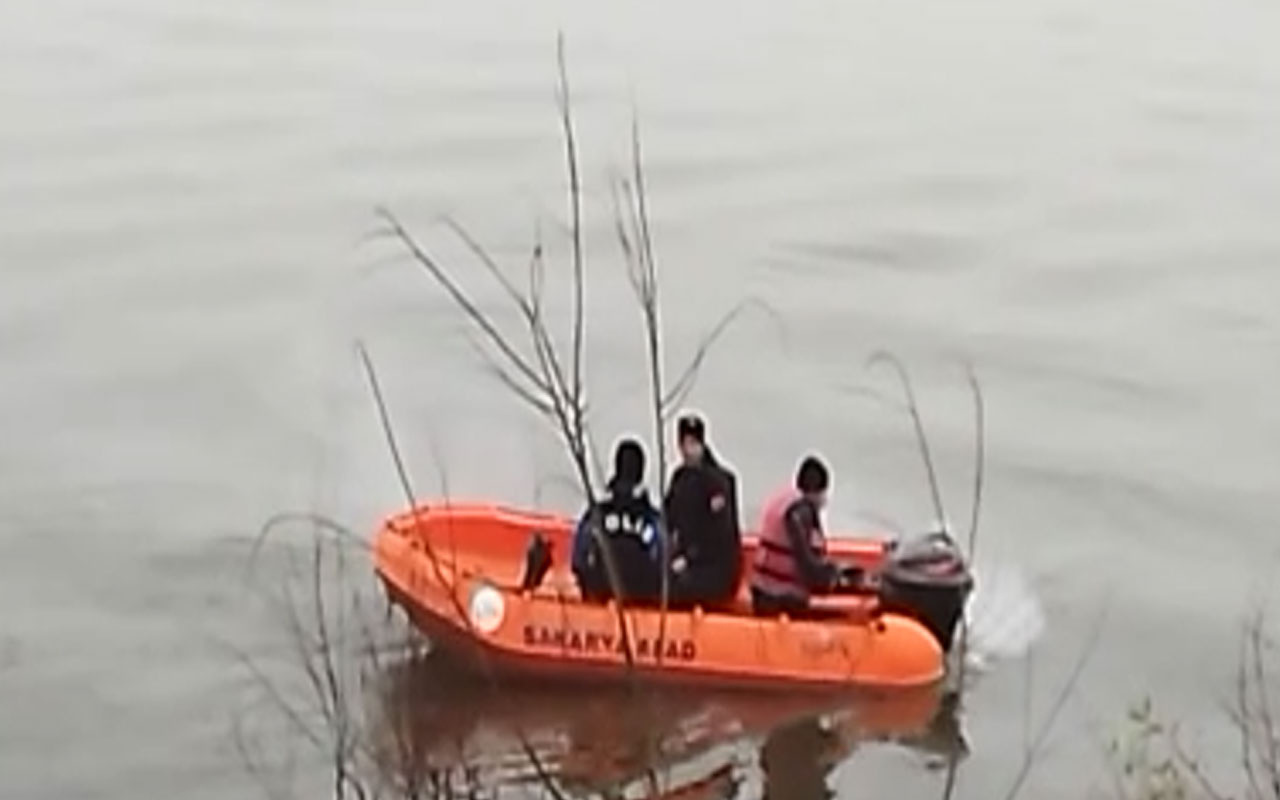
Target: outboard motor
<point>927,579</point>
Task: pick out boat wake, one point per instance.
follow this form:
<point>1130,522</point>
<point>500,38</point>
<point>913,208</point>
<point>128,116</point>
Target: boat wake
<point>1004,617</point>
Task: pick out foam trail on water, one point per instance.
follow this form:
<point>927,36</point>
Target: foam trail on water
<point>1004,616</point>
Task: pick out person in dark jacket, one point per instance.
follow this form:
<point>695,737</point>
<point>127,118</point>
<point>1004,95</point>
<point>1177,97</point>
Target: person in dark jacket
<point>628,521</point>
<point>701,510</point>
<point>791,563</point>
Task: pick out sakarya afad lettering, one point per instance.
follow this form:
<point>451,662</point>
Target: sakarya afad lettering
<point>594,642</point>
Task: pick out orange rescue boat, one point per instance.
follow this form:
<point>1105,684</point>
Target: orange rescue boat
<point>456,569</point>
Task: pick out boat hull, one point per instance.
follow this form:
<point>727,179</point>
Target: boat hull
<point>456,570</point>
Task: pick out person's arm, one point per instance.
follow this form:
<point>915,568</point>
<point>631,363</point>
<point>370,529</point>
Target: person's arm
<point>718,494</point>
<point>724,539</point>
<point>667,499</point>
<point>655,522</point>
<point>670,503</point>
<point>687,519</point>
<point>818,574</point>
<point>731,498</point>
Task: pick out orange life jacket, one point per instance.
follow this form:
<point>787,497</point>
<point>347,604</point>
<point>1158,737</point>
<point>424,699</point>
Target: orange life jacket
<point>775,571</point>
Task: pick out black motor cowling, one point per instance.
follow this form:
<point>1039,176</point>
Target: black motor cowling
<point>927,579</point>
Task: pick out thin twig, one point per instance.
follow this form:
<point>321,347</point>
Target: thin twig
<point>251,764</point>
<point>685,382</point>
<point>953,775</point>
<point>1269,746</point>
<point>1068,688</point>
<point>1193,768</point>
<point>1241,717</point>
<point>923,442</point>
<point>460,298</point>
<point>979,469</point>
<point>531,309</point>
<point>385,420</point>
<point>980,458</point>
<point>642,271</point>
<point>292,715</point>
<point>575,203</point>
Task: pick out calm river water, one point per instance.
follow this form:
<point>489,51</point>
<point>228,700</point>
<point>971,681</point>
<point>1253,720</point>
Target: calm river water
<point>1079,196</point>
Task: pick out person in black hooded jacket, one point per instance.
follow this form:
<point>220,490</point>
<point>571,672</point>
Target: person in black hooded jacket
<point>629,524</point>
<point>701,511</point>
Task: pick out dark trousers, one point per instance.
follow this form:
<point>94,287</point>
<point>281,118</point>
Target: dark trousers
<point>707,585</point>
<point>771,605</point>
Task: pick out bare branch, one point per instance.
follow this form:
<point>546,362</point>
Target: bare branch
<point>1241,717</point>
<point>293,716</point>
<point>1269,747</point>
<point>980,457</point>
<point>542,406</point>
<point>385,421</point>
<point>979,428</point>
<point>883,356</point>
<point>623,224</point>
<point>543,348</point>
<point>684,384</point>
<point>464,302</point>
<point>1068,688</point>
<point>552,378</point>
<point>252,765</point>
<point>565,406</point>
<point>537,274</point>
<point>642,208</point>
<point>1195,771</point>
<point>483,256</point>
<point>322,523</point>
<point>642,272</point>
<point>569,409</point>
<point>575,202</point>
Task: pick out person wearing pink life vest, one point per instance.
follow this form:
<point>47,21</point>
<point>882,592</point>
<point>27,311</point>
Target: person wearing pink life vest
<point>791,564</point>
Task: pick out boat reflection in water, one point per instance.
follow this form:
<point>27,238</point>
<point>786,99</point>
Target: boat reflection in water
<point>643,741</point>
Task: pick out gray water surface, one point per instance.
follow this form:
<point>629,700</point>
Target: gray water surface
<point>1077,196</point>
